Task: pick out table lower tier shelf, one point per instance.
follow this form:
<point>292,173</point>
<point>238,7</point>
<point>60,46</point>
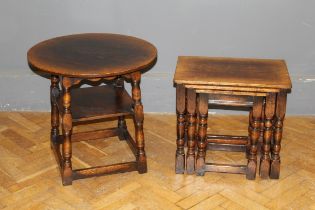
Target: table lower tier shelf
<point>93,103</point>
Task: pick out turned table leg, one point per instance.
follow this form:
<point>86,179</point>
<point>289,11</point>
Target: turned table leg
<point>268,130</point>
<point>191,131</point>
<point>54,94</point>
<point>278,128</point>
<point>122,126</point>
<point>180,128</point>
<point>254,132</point>
<point>202,133</point>
<point>67,131</point>
<point>250,117</point>
<point>138,121</point>
<point>262,128</point>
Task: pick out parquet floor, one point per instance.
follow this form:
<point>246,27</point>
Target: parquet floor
<point>29,178</point>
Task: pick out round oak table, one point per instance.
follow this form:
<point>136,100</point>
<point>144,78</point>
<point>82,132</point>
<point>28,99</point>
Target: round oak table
<point>94,58</point>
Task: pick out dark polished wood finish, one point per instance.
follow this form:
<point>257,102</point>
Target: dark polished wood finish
<point>54,95</point>
<point>138,121</point>
<point>236,72</point>
<point>202,133</point>
<point>191,131</point>
<point>180,128</point>
<point>268,130</point>
<point>258,84</point>
<point>227,139</point>
<point>94,59</point>
<point>107,101</point>
<point>92,55</point>
<point>277,135</point>
<point>254,137</point>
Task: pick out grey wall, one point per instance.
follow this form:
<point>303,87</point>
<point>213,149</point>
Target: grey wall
<point>239,28</point>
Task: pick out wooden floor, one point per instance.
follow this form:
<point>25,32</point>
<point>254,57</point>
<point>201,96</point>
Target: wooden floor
<point>29,178</point>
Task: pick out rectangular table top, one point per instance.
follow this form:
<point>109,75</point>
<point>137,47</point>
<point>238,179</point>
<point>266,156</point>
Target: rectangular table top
<point>233,72</point>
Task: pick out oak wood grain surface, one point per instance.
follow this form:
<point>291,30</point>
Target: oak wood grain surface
<point>92,55</point>
<point>231,82</point>
<point>106,101</point>
<point>94,58</point>
<point>243,72</point>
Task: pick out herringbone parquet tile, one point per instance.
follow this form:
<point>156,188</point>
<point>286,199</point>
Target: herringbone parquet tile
<point>29,178</point>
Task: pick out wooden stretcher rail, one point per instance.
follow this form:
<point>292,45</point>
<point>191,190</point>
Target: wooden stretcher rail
<point>231,100</point>
<point>227,139</point>
<point>92,135</point>
<point>226,147</point>
<point>226,168</point>
<point>100,170</point>
<point>132,144</point>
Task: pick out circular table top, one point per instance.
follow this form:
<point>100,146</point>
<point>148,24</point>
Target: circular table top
<point>92,55</point>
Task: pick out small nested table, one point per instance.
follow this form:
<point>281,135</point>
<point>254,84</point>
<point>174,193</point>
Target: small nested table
<point>94,58</point>
<point>259,84</point>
